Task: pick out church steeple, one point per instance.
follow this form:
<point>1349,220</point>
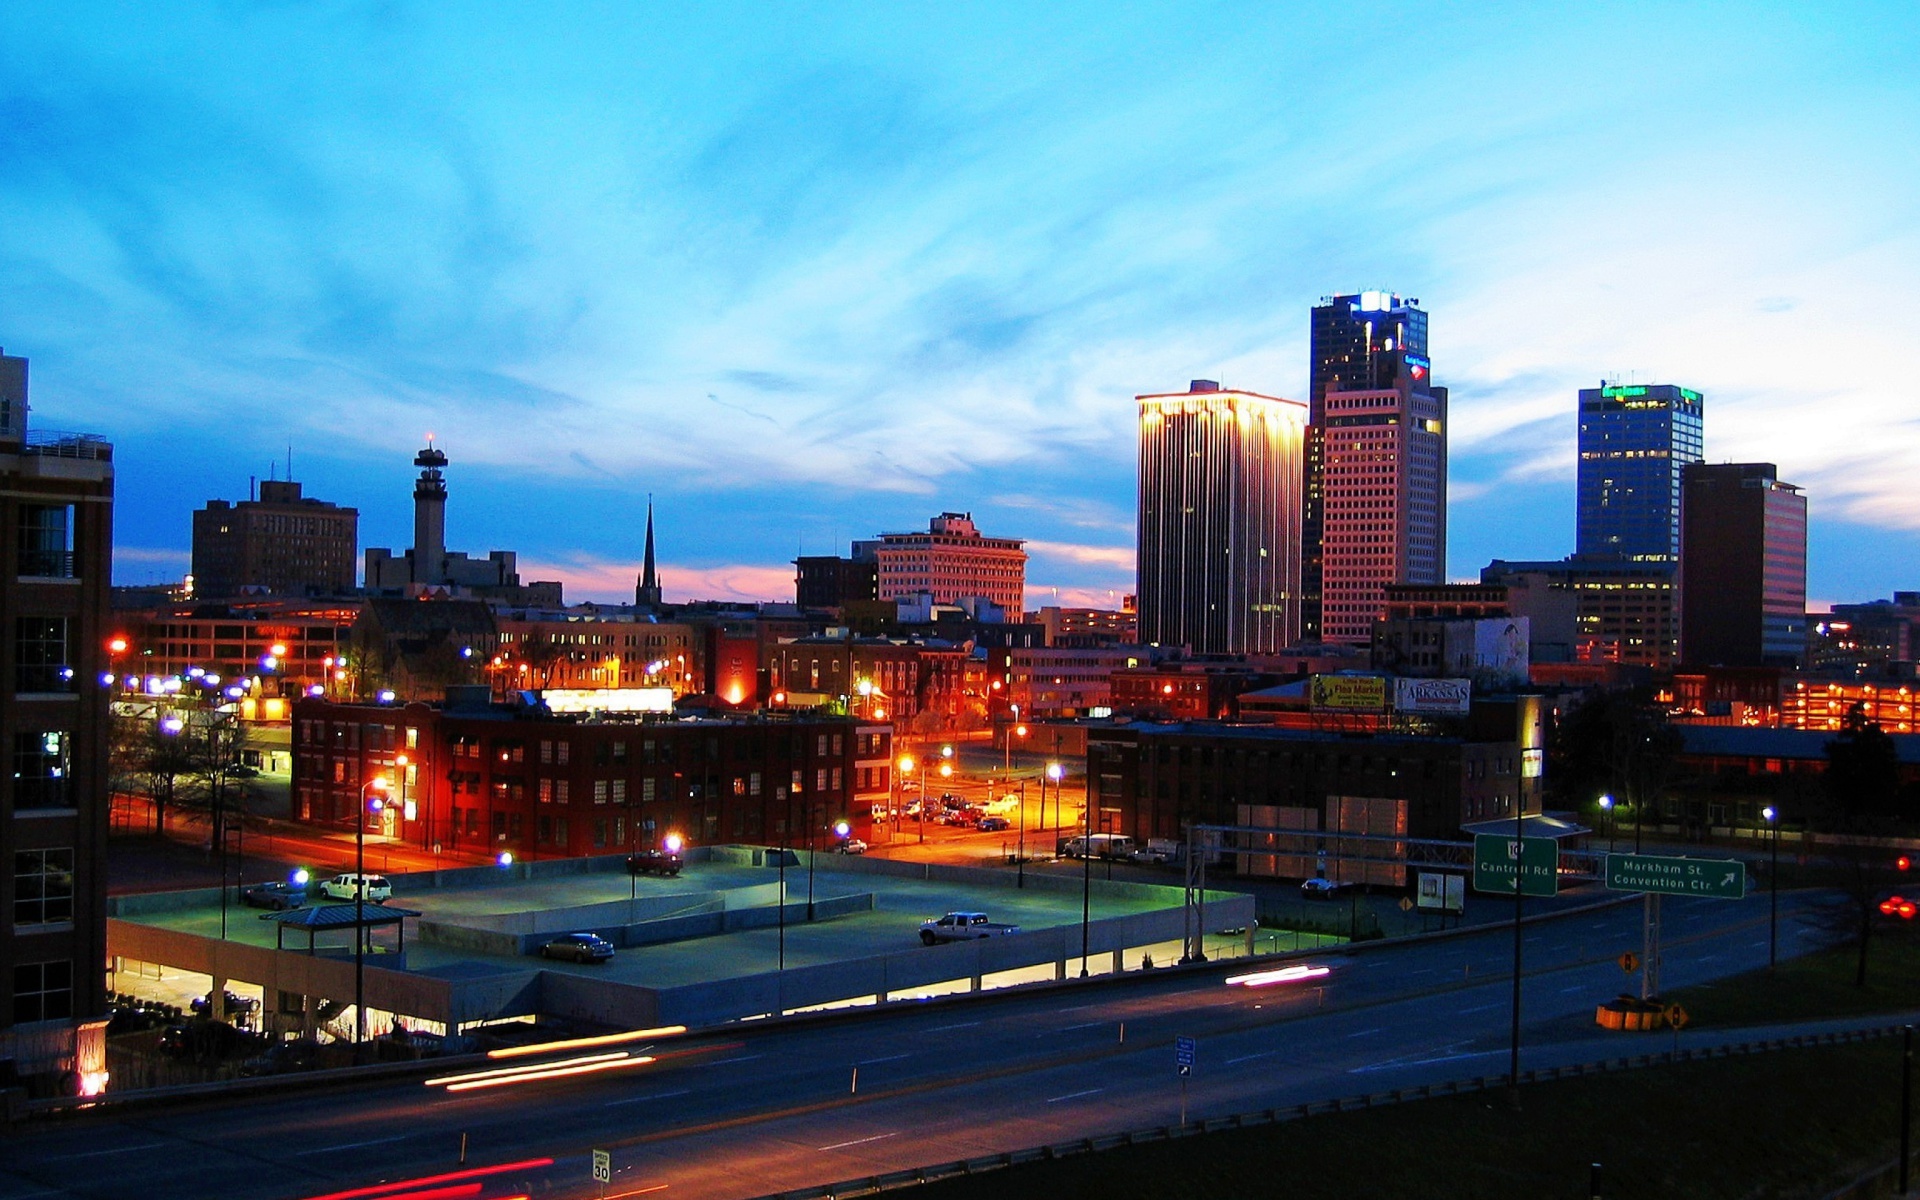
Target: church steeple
<point>647,594</point>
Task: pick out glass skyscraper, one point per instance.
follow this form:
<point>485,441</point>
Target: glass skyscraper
<point>1634,443</point>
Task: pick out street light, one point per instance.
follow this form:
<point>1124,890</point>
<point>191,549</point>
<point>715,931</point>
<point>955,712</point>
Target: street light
<point>906,768</point>
<point>1772,816</point>
<point>377,784</point>
<point>1086,881</point>
<point>1606,808</point>
<point>1055,772</point>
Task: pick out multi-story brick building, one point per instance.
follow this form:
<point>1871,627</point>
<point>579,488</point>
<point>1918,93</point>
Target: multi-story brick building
<point>282,544</point>
<point>822,669</point>
<point>1154,780</point>
<point>557,650</point>
<point>290,645</point>
<point>475,776</point>
<point>56,537</point>
<point>1060,682</point>
<point>951,562</point>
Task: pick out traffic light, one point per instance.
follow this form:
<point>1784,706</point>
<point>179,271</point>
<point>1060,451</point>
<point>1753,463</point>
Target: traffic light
<point>1902,863</point>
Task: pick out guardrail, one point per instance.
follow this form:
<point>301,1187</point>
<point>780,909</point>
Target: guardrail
<point>873,1185</point>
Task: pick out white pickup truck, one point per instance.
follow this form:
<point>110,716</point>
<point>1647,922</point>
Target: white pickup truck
<point>962,927</point>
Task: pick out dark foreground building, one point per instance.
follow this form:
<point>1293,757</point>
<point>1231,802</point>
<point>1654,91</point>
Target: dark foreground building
<point>56,537</point>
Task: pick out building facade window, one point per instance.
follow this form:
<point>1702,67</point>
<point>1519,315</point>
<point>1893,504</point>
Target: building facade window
<point>42,991</point>
<point>46,541</point>
<point>40,655</point>
<point>41,769</point>
<point>42,886</point>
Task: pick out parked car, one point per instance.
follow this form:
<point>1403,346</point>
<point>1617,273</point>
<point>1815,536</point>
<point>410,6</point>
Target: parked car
<point>653,862</point>
<point>1159,851</point>
<point>580,947</point>
<point>283,1058</point>
<point>347,887</point>
<point>235,1005</point>
<point>851,846</point>
<point>962,927</point>
<point>992,824</point>
<point>1324,889</point>
<point>277,895</point>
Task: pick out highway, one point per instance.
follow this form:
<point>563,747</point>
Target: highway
<point>760,1109</point>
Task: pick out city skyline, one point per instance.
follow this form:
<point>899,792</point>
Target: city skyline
<point>816,276</point>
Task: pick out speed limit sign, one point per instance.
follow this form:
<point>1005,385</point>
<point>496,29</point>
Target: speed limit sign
<point>602,1167</point>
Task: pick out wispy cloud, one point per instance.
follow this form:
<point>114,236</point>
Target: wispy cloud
<point>884,260</point>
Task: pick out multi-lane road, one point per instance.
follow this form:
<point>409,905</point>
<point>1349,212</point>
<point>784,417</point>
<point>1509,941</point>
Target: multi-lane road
<point>760,1109</point>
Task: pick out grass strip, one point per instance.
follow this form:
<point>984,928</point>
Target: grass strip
<point>1790,1123</point>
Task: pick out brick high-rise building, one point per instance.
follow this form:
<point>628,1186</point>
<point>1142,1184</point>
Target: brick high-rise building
<point>1743,567</point>
<point>283,544</point>
<point>1376,463</point>
<point>56,538</point>
<point>953,561</point>
<point>1219,522</point>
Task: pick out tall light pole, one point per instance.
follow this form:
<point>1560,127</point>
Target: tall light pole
<point>1086,882</point>
<point>1055,772</point>
<point>1020,856</point>
<point>905,766</point>
<point>1773,886</point>
<point>377,784</point>
<point>1606,811</point>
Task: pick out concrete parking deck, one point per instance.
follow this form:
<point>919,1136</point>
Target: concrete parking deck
<point>463,961</point>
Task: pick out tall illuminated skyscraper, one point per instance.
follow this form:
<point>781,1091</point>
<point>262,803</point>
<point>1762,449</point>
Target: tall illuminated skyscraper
<point>1635,441</point>
<point>1376,464</point>
<point>1220,518</point>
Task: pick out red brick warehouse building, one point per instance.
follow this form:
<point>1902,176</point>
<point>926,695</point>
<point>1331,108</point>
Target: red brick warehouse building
<point>474,776</point>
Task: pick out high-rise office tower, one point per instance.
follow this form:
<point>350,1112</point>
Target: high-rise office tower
<point>1634,442</point>
<point>1220,518</point>
<point>56,537</point>
<point>1743,567</point>
<point>1376,463</point>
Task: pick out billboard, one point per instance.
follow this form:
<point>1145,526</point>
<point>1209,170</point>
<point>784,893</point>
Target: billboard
<point>1493,652</point>
<point>1433,697</point>
<point>588,700</point>
<point>1349,693</point>
<point>1442,893</point>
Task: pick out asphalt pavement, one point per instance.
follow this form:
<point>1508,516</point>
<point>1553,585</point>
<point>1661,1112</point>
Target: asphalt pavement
<point>761,1108</point>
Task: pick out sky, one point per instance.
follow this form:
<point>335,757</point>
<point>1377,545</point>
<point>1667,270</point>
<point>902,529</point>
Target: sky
<point>801,274</point>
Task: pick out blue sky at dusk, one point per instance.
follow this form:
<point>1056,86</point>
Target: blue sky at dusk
<point>806,273</point>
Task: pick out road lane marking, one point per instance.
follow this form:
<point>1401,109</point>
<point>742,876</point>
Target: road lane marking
<point>649,1096</point>
<point>1395,1063</point>
<point>1483,1007</point>
<point>958,1025</point>
<point>878,1137</point>
<point>98,1153</point>
<point>742,1058</point>
<point>1075,1095</point>
<point>1362,1033</point>
<point>867,1062</point>
<point>1578,987</point>
<point>1251,1057</point>
<point>1081,1025</point>
<point>353,1145</point>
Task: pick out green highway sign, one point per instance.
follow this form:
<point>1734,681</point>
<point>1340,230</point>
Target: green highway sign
<point>1720,878</point>
<point>1497,861</point>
